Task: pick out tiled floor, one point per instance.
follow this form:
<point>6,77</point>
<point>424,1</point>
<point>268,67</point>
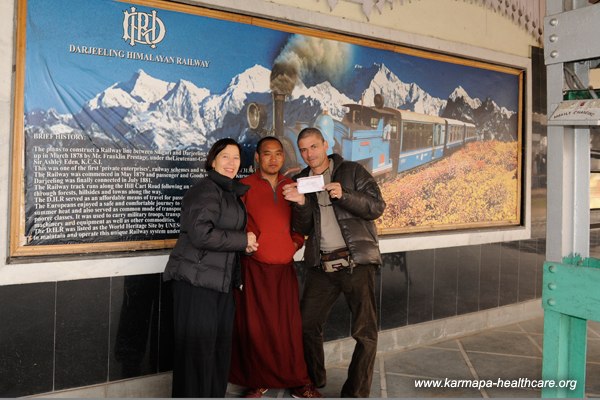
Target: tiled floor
<point>510,352</point>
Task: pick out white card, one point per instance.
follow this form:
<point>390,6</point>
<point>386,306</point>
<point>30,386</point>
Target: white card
<point>311,184</point>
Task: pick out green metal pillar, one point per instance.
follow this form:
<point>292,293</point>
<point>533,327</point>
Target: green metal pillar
<point>570,298</point>
<point>564,355</point>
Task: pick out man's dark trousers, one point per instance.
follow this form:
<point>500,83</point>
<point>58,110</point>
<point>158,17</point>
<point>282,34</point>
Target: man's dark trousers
<point>321,290</point>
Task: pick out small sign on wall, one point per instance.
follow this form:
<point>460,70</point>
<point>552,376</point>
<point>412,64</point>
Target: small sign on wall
<point>576,112</point>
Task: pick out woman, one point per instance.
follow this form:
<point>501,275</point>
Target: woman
<point>204,269</point>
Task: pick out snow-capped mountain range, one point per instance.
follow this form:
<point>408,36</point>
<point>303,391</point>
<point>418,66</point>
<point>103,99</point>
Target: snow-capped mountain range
<point>378,79</point>
<point>147,112</point>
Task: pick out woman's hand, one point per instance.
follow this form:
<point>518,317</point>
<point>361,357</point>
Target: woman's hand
<point>252,243</point>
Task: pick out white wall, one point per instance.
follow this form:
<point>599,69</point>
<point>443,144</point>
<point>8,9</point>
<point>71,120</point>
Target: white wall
<point>452,26</point>
<point>469,22</point>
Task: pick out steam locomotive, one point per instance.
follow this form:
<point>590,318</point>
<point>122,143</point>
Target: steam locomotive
<point>386,141</point>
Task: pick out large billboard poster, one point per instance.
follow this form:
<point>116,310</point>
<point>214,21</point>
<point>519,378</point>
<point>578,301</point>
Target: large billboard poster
<point>117,104</point>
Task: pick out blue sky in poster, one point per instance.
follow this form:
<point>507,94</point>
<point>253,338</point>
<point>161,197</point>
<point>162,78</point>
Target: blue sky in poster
<point>57,78</point>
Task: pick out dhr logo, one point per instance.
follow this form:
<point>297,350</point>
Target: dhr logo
<point>143,28</point>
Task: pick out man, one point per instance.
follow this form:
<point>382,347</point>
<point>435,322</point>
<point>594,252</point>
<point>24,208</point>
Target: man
<point>267,346</point>
<point>342,255</point>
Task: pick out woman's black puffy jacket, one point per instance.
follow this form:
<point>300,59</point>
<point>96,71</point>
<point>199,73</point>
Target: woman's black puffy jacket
<point>213,221</point>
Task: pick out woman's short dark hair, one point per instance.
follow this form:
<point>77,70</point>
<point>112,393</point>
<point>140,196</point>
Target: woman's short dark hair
<point>217,148</point>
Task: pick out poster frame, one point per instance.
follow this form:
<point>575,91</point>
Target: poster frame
<point>17,209</point>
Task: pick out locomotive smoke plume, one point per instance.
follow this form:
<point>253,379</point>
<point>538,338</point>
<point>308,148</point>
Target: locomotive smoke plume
<point>283,77</point>
<point>311,59</point>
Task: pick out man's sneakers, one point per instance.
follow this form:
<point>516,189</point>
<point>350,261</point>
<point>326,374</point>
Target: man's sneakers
<point>305,392</point>
<point>255,393</point>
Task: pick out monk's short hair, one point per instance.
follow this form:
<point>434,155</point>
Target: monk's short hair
<point>266,139</point>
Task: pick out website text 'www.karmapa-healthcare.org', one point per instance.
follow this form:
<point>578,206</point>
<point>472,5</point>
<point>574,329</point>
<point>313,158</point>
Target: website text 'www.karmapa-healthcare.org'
<point>521,383</point>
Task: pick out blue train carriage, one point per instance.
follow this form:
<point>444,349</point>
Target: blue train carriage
<point>459,133</point>
<point>388,141</point>
<point>455,131</point>
<point>470,133</point>
<point>422,139</point>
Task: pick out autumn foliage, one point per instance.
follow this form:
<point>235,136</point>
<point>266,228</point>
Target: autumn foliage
<point>476,185</point>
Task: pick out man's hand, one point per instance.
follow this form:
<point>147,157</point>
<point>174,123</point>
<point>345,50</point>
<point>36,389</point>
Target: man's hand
<point>290,193</point>
<point>335,190</point>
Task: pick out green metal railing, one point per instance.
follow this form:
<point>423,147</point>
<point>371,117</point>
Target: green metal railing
<point>570,297</point>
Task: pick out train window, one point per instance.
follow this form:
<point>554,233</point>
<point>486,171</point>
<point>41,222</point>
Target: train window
<point>348,117</point>
<point>454,133</point>
<point>359,118</point>
<point>416,135</point>
<point>471,132</point>
<point>374,122</point>
<point>394,129</point>
<point>438,137</point>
